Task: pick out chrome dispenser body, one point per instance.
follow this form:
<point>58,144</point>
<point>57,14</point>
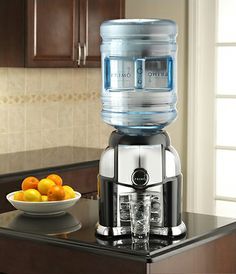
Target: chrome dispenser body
<point>143,164</point>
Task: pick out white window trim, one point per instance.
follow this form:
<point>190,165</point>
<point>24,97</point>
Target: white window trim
<point>201,108</point>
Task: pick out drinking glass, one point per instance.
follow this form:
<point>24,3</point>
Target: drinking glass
<point>140,211</point>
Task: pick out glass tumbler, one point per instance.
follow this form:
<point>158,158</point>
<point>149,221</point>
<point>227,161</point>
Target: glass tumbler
<point>140,211</point>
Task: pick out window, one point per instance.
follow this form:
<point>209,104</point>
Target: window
<point>212,107</point>
<point>225,193</point>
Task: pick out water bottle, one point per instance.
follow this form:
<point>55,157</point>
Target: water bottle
<point>139,74</point>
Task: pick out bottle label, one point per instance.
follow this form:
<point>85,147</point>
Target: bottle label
<point>158,73</point>
<point>154,73</point>
<point>119,73</point>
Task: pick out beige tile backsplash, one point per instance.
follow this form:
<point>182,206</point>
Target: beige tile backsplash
<point>41,108</point>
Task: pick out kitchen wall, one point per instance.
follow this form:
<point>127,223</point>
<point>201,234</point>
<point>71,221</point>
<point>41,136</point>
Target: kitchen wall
<point>41,108</point>
<point>176,10</point>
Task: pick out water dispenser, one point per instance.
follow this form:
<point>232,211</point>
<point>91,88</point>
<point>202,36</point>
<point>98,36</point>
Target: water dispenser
<point>139,83</point>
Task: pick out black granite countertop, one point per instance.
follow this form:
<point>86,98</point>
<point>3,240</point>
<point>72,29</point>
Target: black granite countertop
<point>76,229</point>
<point>46,158</point>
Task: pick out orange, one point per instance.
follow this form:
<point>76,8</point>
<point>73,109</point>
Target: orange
<point>44,198</point>
<point>44,185</point>
<point>32,195</point>
<point>69,192</point>
<point>29,183</point>
<point>56,179</point>
<point>56,193</point>
<point>19,196</point>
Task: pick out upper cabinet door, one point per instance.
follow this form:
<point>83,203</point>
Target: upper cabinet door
<point>52,33</point>
<point>92,14</point>
<point>12,33</point>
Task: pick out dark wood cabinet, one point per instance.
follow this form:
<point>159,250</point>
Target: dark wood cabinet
<point>92,14</point>
<point>209,247</point>
<point>54,33</point>
<point>51,33</point>
<point>32,257</point>
<point>215,256</point>
<point>12,33</point>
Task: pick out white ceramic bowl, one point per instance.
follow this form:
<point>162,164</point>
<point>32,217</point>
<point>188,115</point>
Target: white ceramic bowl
<point>43,208</point>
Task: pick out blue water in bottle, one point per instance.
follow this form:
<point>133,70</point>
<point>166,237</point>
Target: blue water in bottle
<point>139,74</point>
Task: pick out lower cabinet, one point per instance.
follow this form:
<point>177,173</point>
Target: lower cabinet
<point>215,256</point>
<point>37,257</point>
<point>20,256</point>
<point>82,178</point>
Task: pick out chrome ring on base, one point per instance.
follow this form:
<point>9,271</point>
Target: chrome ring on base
<point>176,231</point>
<point>112,231</point>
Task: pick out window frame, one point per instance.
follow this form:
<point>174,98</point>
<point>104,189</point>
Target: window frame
<point>223,96</point>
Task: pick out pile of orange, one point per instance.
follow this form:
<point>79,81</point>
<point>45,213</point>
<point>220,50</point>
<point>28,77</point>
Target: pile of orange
<point>50,188</point>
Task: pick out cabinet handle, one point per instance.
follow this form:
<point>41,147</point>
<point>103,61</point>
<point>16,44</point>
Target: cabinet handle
<point>79,54</point>
<point>85,54</point>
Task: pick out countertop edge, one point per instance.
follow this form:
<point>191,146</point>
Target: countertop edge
<point>137,256</point>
